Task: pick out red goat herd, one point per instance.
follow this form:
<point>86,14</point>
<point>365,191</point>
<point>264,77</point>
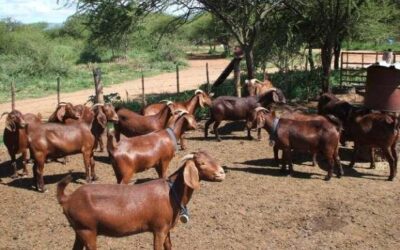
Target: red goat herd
<point>150,140</point>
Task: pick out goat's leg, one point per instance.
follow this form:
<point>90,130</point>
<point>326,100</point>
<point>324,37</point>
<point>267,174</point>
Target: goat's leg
<point>92,163</point>
<point>338,164</point>
<point>259,134</point>
<point>289,161</point>
<point>39,172</point>
<point>276,155</point>
<point>86,162</point>
<point>24,162</point>
<point>78,244</point>
<point>208,123</point>
<point>183,142</point>
<point>249,134</point>
<point>162,169</point>
<point>314,159</point>
<point>372,159</point>
<point>167,242</point>
<point>88,238</point>
<point>331,163</point>
<point>215,128</point>
<point>101,143</point>
<point>159,239</point>
<point>14,166</point>
<point>35,175</point>
<point>388,154</point>
<point>353,158</point>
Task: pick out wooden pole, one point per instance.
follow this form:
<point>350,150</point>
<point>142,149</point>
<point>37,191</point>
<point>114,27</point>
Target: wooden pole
<point>58,89</point>
<point>143,94</point>
<point>98,86</point>
<point>236,76</point>
<point>208,79</point>
<point>177,79</point>
<point>12,95</point>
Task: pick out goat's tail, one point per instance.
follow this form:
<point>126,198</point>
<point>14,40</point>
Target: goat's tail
<point>111,142</point>
<point>61,197</point>
<point>336,122</point>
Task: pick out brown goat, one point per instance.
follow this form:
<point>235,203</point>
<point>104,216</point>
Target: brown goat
<point>236,108</point>
<point>16,139</point>
<point>200,98</point>
<point>256,87</point>
<point>103,113</point>
<point>315,136</point>
<point>122,210</point>
<point>63,112</point>
<point>330,104</point>
<point>153,150</point>
<point>132,124</point>
<point>54,140</point>
<point>376,130</point>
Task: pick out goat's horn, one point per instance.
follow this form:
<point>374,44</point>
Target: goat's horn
<point>98,104</point>
<point>183,112</point>
<point>165,101</point>
<point>180,111</point>
<point>198,91</point>
<point>169,103</point>
<point>5,113</point>
<point>246,81</point>
<point>260,108</point>
<point>185,158</point>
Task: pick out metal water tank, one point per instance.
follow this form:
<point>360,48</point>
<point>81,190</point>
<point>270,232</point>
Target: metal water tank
<point>383,88</point>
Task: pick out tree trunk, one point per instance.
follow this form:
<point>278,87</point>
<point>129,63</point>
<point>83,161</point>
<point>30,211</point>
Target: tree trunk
<point>249,62</point>
<point>326,59</point>
<point>337,50</point>
<point>236,76</point>
<point>310,58</point>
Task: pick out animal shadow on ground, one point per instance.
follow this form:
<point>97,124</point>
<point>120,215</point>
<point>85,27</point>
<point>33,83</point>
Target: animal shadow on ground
<point>102,158</point>
<point>28,183</point>
<point>6,170</point>
<point>143,180</point>
<point>226,129</point>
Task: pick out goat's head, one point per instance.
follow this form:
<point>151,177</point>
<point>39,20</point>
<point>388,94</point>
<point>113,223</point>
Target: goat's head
<point>251,86</point>
<point>200,166</point>
<point>108,110</point>
<point>204,98</point>
<point>189,123</point>
<point>14,120</point>
<point>66,110</point>
<point>256,118</point>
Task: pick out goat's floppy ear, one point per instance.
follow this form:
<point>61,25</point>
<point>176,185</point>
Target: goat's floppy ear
<point>275,96</point>
<point>10,125</point>
<point>260,120</point>
<point>191,175</point>
<point>101,118</point>
<point>201,100</point>
<point>60,113</point>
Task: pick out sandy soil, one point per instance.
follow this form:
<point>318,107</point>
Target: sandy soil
<point>256,207</point>
<point>190,78</point>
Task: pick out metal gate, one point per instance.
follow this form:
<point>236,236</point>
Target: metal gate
<point>353,67</point>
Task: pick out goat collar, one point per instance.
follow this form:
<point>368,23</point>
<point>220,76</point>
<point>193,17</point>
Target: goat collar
<point>171,134</point>
<point>184,212</point>
<point>274,135</point>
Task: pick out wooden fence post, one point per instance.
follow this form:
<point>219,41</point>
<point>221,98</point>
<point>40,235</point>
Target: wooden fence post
<point>208,79</point>
<point>99,97</point>
<point>58,89</point>
<point>12,95</point>
<point>236,76</point>
<point>177,79</point>
<point>143,94</point>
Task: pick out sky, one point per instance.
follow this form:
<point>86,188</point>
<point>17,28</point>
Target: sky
<point>32,11</point>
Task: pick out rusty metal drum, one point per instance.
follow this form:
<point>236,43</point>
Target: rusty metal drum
<point>383,88</point>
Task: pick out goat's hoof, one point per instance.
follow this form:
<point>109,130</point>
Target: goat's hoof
<point>372,167</point>
<point>43,190</point>
<point>327,178</point>
<point>391,178</point>
<point>95,178</point>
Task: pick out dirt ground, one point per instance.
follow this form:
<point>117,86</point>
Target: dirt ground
<point>256,207</point>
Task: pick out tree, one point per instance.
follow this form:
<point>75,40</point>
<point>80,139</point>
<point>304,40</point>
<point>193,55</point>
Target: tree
<point>243,18</point>
<point>331,21</point>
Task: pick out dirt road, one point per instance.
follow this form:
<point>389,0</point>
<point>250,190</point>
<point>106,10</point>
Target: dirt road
<point>190,78</point>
